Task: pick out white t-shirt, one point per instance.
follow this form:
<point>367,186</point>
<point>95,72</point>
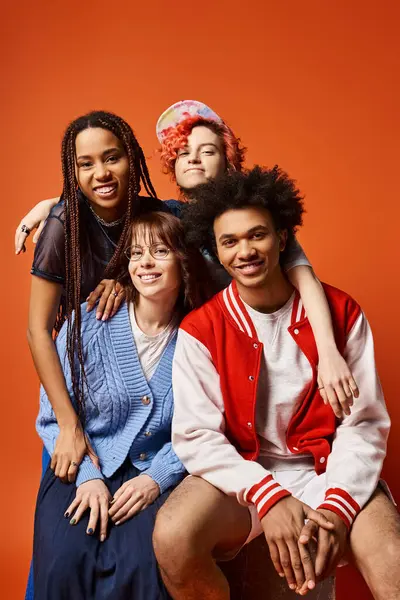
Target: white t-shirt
<point>150,347</point>
<point>285,376</point>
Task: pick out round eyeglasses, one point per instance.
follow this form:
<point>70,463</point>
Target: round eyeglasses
<point>157,251</point>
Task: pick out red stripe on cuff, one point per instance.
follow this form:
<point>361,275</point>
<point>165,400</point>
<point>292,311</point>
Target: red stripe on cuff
<point>249,494</point>
<point>345,495</point>
<point>345,508</point>
<point>272,501</point>
<point>272,488</point>
<point>338,512</point>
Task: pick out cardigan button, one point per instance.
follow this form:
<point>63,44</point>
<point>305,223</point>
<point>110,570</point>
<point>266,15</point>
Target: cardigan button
<point>142,456</point>
<point>251,377</point>
<point>250,425</point>
<point>296,332</point>
<point>255,346</point>
<point>145,400</point>
<point>322,459</point>
<point>147,433</point>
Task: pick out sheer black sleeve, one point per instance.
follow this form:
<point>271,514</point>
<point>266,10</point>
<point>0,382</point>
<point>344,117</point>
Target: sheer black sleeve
<point>49,257</point>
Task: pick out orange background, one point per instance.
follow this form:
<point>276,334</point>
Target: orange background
<point>310,85</point>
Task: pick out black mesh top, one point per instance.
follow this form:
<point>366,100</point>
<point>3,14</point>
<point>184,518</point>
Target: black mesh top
<point>97,244</point>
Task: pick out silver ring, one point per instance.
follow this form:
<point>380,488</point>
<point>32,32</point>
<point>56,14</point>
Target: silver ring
<point>25,229</point>
<point>115,293</point>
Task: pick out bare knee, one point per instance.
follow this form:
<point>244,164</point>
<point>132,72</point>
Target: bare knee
<point>171,536</point>
<point>180,531</point>
<point>196,520</point>
<point>375,544</point>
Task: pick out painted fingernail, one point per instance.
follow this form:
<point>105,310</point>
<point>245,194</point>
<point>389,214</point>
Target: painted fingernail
<point>72,522</point>
<point>102,537</point>
<point>311,585</point>
<point>281,574</point>
<point>90,531</point>
<point>98,316</point>
<point>66,515</point>
<point>292,586</point>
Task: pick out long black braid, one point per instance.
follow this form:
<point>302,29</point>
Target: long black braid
<point>138,174</point>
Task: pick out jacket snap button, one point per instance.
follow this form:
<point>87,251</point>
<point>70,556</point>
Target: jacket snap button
<point>142,456</point>
<point>255,346</point>
<point>322,459</point>
<point>249,424</point>
<point>251,377</point>
<point>147,433</point>
<point>145,400</point>
<point>296,332</point>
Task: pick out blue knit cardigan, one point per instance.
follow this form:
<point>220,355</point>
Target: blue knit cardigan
<point>125,414</point>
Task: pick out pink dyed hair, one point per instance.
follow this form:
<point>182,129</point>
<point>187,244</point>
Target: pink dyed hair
<point>176,138</point>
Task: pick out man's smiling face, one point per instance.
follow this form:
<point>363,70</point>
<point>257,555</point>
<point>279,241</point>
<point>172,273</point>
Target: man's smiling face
<point>249,245</point>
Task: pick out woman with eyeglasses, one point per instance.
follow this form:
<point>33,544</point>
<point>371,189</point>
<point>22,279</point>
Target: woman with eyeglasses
<point>93,539</point>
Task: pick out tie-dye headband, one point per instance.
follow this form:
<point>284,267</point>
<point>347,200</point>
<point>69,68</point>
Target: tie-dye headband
<point>180,111</point>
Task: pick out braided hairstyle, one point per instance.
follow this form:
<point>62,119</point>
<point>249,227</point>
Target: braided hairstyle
<point>138,174</point>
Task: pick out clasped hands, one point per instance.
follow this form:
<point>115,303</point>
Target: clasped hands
<point>134,495</point>
<point>304,553</point>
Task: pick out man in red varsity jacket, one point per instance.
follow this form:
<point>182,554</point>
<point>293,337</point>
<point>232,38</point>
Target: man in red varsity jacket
<point>265,452</point>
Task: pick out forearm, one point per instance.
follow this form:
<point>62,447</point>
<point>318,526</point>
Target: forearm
<point>49,370</point>
<point>316,306</point>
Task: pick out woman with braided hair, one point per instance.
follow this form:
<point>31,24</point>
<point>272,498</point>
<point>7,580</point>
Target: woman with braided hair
<point>103,169</point>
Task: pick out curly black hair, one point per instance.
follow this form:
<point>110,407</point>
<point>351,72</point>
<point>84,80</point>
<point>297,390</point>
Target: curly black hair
<point>272,189</point>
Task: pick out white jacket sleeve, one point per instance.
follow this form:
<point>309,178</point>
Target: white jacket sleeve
<point>198,430</point>
<point>359,446</point>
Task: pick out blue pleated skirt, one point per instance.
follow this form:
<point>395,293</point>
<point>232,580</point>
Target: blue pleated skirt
<point>68,564</point>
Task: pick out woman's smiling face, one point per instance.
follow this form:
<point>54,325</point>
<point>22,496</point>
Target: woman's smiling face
<point>154,267</point>
<point>102,171</point>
